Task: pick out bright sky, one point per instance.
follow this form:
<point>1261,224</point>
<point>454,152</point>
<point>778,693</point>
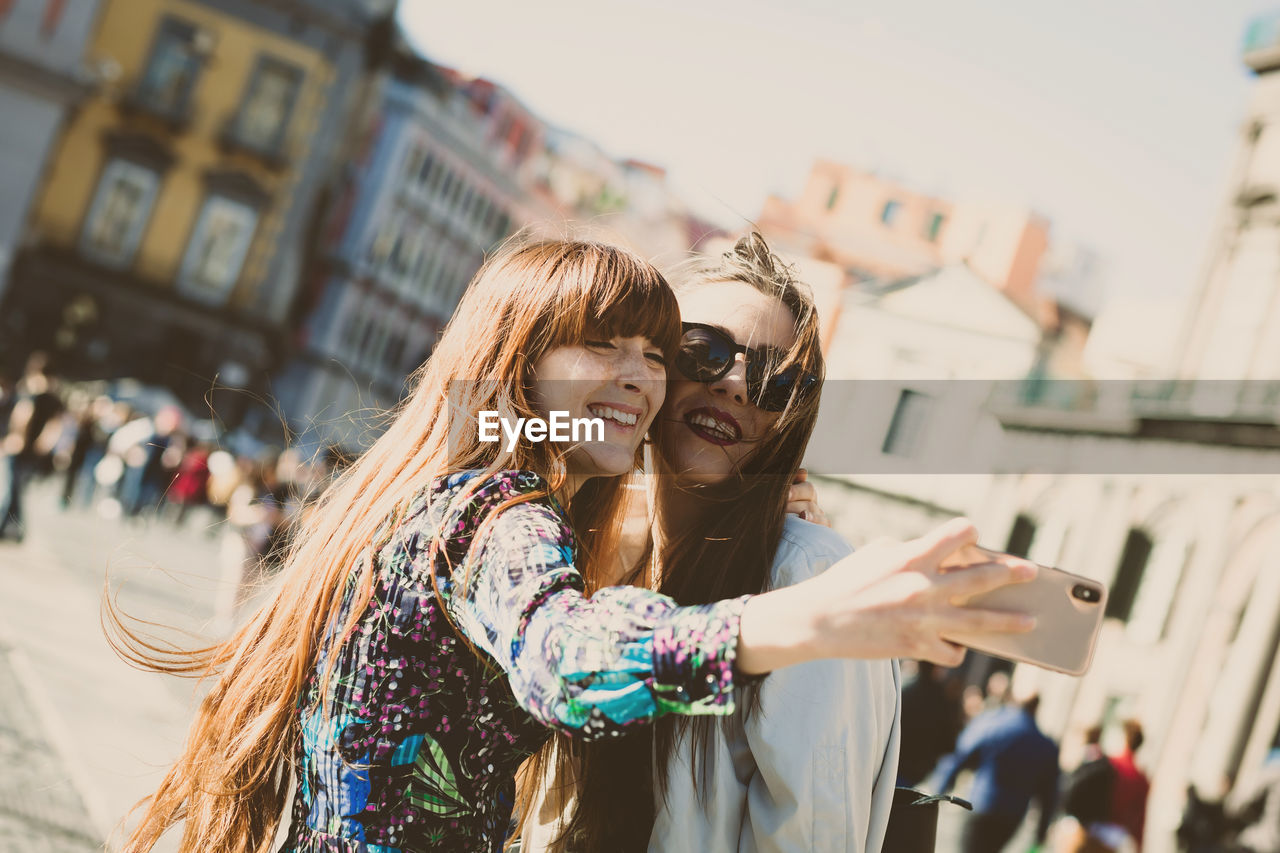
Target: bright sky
<point>1117,119</point>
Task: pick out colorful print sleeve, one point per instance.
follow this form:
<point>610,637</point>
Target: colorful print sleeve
<point>589,667</point>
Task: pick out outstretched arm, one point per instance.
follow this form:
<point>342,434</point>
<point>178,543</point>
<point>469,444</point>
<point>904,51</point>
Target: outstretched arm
<point>588,666</point>
<point>626,655</point>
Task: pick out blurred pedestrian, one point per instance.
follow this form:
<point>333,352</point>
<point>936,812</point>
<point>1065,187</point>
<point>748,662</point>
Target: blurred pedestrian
<point>1129,801</point>
<point>930,724</point>
<point>24,447</point>
<point>1132,787</point>
<point>224,477</point>
<point>104,422</point>
<point>997,692</point>
<point>156,463</point>
<point>275,494</point>
<point>1013,763</point>
<point>253,517</point>
<point>1205,827</point>
<point>86,436</point>
<point>1087,802</point>
<point>8,397</point>
<point>191,483</point>
<point>126,431</point>
<point>1259,810</point>
<point>973,702</point>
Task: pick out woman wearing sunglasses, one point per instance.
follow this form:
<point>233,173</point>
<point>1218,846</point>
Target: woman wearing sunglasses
<point>809,760</point>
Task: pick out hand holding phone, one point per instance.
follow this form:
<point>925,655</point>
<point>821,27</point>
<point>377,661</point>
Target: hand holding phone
<point>1068,609</point>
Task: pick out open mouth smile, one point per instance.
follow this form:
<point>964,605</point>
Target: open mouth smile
<point>622,417</point>
<point>714,426</point>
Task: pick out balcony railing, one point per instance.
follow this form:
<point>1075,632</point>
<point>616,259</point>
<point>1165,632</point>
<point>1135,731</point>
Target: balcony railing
<point>1239,401</point>
<point>139,98</point>
<point>274,155</point>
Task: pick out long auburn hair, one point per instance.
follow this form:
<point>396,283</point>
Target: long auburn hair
<point>231,782</point>
<point>722,551</point>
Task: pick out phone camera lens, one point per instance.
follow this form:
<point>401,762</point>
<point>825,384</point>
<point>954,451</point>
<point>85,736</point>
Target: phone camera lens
<point>1085,593</point>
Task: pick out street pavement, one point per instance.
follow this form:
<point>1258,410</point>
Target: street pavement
<point>40,809</point>
<point>83,735</point>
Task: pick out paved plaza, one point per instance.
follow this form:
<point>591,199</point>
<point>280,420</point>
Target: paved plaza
<point>83,736</point>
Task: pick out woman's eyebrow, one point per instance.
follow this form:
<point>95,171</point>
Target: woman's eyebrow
<point>721,329</point>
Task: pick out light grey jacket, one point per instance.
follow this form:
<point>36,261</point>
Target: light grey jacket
<point>814,768</point>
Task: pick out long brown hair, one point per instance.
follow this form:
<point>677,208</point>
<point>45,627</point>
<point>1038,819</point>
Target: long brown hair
<point>725,550</point>
<point>231,782</point>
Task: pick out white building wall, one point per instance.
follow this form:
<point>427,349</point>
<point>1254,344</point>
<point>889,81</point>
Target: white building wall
<point>1179,663</point>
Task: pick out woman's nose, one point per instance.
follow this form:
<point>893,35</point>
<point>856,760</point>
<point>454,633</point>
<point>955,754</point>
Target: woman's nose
<point>734,383</point>
<point>634,367</point>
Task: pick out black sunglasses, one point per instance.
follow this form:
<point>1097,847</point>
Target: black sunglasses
<point>707,354</point>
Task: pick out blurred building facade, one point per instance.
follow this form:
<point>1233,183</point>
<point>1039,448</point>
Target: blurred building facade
<point>167,239</point>
<point>928,307</point>
<point>627,201</point>
<point>1192,630</point>
<point>434,180</point>
<point>882,229</point>
<point>879,230</point>
<point>43,77</point>
<point>1178,512</point>
<point>1232,328</point>
<point>1175,504</point>
<point>909,368</point>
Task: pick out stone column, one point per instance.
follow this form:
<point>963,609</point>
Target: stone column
<point>1243,678</point>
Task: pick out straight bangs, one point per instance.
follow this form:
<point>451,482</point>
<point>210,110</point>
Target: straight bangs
<point>608,292</point>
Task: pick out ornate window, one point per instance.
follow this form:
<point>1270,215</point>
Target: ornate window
<point>267,105</point>
<point>119,212</point>
<point>177,56</point>
<point>217,249</point>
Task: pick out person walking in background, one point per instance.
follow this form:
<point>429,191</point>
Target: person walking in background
<point>8,397</point>
<point>190,483</point>
<point>36,405</point>
<point>1129,801</point>
<point>253,516</point>
<point>1258,810</point>
<point>997,692</point>
<point>88,443</point>
<point>1013,763</point>
<point>156,459</point>
<point>930,724</point>
<point>1205,826</point>
<point>1087,800</point>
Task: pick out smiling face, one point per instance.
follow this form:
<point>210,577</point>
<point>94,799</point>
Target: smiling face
<point>620,380</point>
<point>708,429</point>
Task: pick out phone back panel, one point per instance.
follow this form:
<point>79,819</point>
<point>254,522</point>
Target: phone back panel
<point>1066,627</point>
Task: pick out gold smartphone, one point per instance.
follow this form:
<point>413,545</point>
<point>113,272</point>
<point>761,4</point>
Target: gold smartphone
<point>1068,610</point>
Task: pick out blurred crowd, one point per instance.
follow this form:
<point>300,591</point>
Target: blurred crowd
<point>144,460</point>
<point>1099,806</point>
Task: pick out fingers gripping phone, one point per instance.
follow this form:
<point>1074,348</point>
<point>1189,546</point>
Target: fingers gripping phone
<point>1068,609</point>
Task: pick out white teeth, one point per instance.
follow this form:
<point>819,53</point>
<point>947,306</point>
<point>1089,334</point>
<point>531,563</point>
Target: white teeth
<point>712,424</point>
<point>624,418</point>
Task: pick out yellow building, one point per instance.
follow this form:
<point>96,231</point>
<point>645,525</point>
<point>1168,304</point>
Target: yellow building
<point>168,238</point>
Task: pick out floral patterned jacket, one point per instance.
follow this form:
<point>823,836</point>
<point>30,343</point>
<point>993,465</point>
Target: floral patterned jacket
<point>415,742</point>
